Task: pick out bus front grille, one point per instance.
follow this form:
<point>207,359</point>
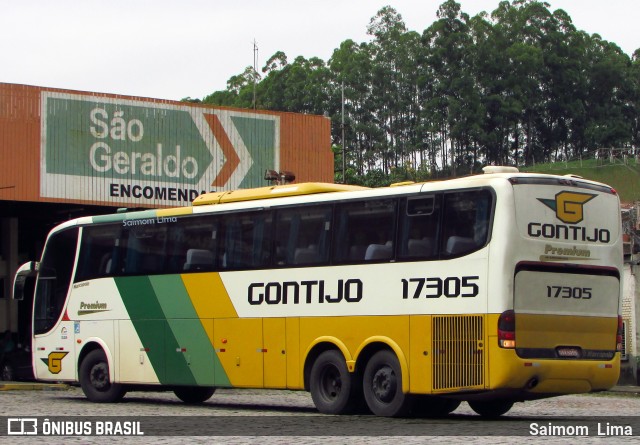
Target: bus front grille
<point>458,352</point>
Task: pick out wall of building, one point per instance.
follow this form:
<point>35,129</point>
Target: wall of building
<point>105,149</point>
<point>69,153</point>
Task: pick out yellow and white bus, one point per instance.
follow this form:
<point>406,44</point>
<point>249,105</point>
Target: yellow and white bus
<point>490,289</point>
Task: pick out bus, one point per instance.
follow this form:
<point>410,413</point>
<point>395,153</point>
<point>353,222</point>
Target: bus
<point>496,288</point>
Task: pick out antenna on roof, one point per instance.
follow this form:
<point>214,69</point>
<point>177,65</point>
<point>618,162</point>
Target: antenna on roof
<point>255,72</point>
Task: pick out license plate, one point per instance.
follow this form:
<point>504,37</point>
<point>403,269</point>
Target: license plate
<point>568,352</point>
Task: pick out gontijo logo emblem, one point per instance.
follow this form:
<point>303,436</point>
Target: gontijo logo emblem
<point>568,206</point>
<point>54,361</point>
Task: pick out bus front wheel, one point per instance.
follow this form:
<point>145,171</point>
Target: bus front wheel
<point>490,408</point>
<point>94,379</point>
<point>382,384</point>
<point>194,395</point>
<point>331,384</point>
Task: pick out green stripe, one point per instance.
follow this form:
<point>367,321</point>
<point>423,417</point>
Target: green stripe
<point>139,298</point>
<point>186,327</point>
<point>172,296</point>
<point>143,214</point>
<point>113,217</point>
<point>147,318</point>
<point>128,216</point>
<point>144,308</point>
<point>187,356</point>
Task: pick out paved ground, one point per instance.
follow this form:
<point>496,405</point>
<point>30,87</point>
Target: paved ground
<point>268,417</point>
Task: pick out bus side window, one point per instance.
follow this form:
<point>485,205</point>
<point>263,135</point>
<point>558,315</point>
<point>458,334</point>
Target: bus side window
<point>261,241</point>
<point>466,222</point>
<point>193,245</point>
<point>99,252</point>
<point>365,231</point>
<point>419,227</point>
<point>198,259</point>
<point>146,249</point>
<point>302,236</point>
<point>247,240</point>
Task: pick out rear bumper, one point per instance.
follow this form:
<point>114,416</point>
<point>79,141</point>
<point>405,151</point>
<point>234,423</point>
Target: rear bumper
<point>550,376</point>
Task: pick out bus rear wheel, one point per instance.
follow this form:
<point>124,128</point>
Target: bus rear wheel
<point>490,408</point>
<point>382,384</point>
<point>331,385</point>
<point>94,379</point>
<point>194,395</point>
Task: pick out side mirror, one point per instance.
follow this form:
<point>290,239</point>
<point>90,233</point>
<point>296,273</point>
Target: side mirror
<point>27,270</point>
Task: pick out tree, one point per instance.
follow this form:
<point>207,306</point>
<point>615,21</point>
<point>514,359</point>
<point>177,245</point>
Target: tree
<point>449,42</point>
<point>518,86</point>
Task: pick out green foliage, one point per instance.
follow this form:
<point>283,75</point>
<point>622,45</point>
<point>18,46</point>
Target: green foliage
<point>517,86</point>
<point>621,174</point>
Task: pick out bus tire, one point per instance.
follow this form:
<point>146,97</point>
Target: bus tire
<point>94,379</point>
<point>430,406</point>
<point>331,384</point>
<point>194,395</point>
<point>490,408</point>
<point>382,385</point>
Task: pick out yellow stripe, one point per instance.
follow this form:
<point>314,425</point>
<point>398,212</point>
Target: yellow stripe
<point>209,296</point>
<point>175,212</point>
<point>273,192</point>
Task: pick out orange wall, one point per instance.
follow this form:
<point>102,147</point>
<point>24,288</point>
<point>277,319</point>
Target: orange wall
<point>19,142</point>
<point>304,144</point>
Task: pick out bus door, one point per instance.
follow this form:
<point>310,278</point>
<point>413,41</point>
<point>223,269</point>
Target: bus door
<point>53,342</point>
<point>275,352</point>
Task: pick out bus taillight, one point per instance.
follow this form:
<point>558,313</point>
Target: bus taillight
<point>507,329</point>
<point>619,334</point>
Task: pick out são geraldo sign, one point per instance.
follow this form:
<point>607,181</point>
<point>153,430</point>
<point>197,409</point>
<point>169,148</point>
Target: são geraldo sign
<point>128,151</point>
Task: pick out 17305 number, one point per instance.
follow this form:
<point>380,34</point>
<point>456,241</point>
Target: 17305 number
<point>436,287</point>
<point>569,292</point>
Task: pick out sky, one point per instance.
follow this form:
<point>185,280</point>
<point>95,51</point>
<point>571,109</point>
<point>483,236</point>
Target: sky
<point>172,49</point>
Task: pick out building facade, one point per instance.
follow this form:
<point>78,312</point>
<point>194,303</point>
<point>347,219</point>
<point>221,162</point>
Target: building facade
<point>66,154</point>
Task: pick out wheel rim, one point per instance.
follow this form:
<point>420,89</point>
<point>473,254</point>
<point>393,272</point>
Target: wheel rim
<point>330,383</point>
<point>384,384</point>
<point>99,376</point>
